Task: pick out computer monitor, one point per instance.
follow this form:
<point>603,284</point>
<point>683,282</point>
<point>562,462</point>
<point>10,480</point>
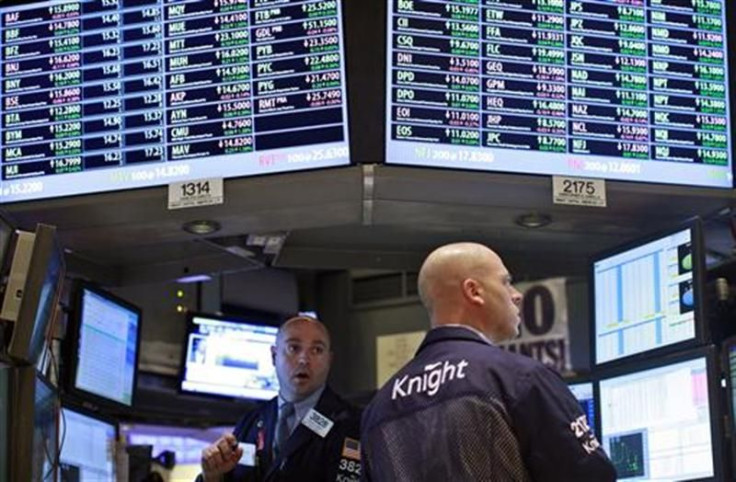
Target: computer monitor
<point>647,296</point>
<point>87,446</point>
<point>102,345</point>
<point>662,420</point>
<point>229,356</point>
<point>32,292</point>
<point>583,393</point>
<point>32,425</point>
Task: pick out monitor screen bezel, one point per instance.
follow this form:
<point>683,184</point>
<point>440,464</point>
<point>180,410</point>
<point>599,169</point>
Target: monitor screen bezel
<point>261,319</point>
<point>713,376</point>
<point>702,331</point>
<point>72,347</point>
<point>46,248</point>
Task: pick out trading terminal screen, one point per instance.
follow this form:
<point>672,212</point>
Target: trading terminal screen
<point>101,95</point>
<point>88,447</point>
<point>629,90</point>
<point>107,348</point>
<point>656,424</point>
<point>583,393</point>
<point>229,358</point>
<point>645,297</point>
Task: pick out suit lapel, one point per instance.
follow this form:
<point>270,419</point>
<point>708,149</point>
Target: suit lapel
<point>265,424</point>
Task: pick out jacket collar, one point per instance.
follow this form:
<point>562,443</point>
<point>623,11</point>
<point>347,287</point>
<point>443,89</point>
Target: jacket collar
<point>452,332</point>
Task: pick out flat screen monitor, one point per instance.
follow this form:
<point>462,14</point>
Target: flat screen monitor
<point>662,421</point>
<point>33,426</point>
<point>87,446</point>
<point>103,341</point>
<point>230,357</point>
<point>632,91</point>
<point>583,393</point>
<point>32,292</point>
<point>647,295</point>
<point>111,95</point>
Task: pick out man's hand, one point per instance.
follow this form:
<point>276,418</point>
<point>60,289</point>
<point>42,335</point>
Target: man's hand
<point>220,457</point>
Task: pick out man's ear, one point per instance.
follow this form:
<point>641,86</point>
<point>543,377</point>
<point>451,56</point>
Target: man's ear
<point>473,291</point>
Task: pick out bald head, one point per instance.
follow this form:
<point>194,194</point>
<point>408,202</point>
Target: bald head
<point>467,283</point>
<point>444,269</point>
<point>303,320</point>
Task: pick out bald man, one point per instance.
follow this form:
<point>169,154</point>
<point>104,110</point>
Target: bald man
<point>465,410</point>
<point>306,434</point>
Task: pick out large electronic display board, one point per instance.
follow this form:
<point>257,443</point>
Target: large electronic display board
<point>630,90</point>
<point>102,95</point>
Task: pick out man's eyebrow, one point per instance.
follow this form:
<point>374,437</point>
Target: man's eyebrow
<point>299,340</point>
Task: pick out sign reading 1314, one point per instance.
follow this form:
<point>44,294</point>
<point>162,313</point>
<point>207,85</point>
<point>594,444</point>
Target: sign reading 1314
<point>189,194</point>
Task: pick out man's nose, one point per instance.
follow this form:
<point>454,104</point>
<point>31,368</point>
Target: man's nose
<point>517,297</point>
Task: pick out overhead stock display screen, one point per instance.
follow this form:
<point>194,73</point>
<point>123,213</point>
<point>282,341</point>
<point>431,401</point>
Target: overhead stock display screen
<point>628,89</point>
<point>104,95</point>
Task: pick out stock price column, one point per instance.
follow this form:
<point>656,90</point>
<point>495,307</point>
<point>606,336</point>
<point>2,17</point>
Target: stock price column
<point>297,72</point>
<point>435,84</point>
<point>41,92</point>
<point>143,80</point>
<point>523,61</point>
<point>689,82</point>
<point>208,79</point>
<point>607,77</point>
<point>102,86</point>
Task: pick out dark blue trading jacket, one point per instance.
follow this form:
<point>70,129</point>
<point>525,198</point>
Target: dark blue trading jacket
<point>465,410</point>
<point>306,457</point>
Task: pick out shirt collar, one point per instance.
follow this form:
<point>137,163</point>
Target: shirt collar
<point>303,406</point>
<point>470,328</point>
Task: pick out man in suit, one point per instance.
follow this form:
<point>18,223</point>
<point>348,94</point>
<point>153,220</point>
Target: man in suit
<point>466,410</point>
<point>305,434</point>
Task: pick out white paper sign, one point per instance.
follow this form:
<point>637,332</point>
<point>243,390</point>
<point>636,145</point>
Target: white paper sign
<point>579,191</point>
<point>190,194</point>
<point>393,352</point>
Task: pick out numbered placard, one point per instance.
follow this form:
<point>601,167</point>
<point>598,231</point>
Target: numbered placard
<point>202,192</point>
<point>579,191</point>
